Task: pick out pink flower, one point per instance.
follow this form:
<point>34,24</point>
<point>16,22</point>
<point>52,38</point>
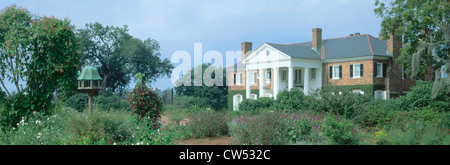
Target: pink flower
<point>162,128</point>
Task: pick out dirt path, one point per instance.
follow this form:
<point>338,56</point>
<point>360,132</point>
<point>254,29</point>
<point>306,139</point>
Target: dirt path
<point>222,140</point>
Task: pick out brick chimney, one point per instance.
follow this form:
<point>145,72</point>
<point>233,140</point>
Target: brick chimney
<point>246,49</point>
<point>394,44</point>
<point>317,38</point>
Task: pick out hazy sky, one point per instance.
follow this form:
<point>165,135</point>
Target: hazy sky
<point>220,25</point>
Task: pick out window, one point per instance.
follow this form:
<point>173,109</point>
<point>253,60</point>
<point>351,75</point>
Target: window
<point>358,91</point>
<point>297,76</point>
<point>268,75</point>
<point>253,77</point>
<point>283,75</point>
<point>238,79</point>
<point>313,73</point>
<point>356,70</point>
<point>237,99</point>
<point>379,70</point>
<point>336,71</point>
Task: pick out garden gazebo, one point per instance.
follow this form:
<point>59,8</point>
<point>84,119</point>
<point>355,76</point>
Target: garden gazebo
<point>90,81</point>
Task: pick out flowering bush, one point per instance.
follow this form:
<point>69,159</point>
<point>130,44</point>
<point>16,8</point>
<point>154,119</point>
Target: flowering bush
<point>302,127</point>
<point>145,102</point>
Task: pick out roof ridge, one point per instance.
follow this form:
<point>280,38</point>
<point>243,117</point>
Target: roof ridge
<point>345,37</point>
<point>298,42</point>
<point>288,45</point>
<point>378,39</point>
<point>323,40</point>
<point>370,44</point>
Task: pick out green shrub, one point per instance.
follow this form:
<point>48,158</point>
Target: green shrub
<point>189,101</point>
<point>112,102</point>
<point>412,132</point>
<point>145,103</point>
<point>342,132</point>
<point>263,129</point>
<point>420,96</point>
<point>290,101</point>
<point>78,101</point>
<point>302,126</point>
<point>101,127</point>
<point>376,114</point>
<point>13,109</point>
<point>337,101</point>
<point>254,106</point>
<point>145,134</point>
<point>104,101</point>
<point>207,123</point>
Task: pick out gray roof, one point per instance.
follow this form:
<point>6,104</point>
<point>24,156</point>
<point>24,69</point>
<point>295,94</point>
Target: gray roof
<point>238,66</point>
<point>296,51</point>
<point>335,48</point>
<point>346,47</point>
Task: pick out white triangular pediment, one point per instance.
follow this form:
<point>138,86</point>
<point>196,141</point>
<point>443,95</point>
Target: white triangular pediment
<point>266,54</point>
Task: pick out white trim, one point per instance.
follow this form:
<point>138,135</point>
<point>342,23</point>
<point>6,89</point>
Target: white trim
<point>360,58</point>
<point>262,47</point>
<point>335,76</point>
<point>356,70</point>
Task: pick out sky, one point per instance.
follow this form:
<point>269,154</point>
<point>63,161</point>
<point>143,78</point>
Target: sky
<point>219,25</point>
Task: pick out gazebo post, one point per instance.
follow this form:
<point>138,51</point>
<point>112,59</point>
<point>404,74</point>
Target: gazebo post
<point>91,99</point>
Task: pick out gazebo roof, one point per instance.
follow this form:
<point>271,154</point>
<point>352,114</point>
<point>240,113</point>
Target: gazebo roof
<point>89,73</point>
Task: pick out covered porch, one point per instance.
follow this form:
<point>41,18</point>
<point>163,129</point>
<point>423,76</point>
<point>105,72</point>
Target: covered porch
<point>296,73</point>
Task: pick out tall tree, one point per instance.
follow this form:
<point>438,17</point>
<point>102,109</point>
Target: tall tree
<point>41,52</point>
<point>15,40</point>
<point>120,55</point>
<point>424,26</point>
<point>100,44</point>
<point>216,95</point>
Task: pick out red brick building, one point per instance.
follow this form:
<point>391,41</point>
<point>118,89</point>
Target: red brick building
<point>357,62</point>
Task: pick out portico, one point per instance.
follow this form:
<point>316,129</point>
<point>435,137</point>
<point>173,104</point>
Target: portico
<point>279,71</point>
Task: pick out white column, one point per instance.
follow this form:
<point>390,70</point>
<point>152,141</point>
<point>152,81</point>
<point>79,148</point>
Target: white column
<point>291,78</point>
<point>276,82</point>
<point>262,83</point>
<point>306,83</point>
<point>247,84</point>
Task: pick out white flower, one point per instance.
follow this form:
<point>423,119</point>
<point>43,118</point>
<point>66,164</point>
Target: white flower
<point>38,136</point>
<point>38,122</point>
